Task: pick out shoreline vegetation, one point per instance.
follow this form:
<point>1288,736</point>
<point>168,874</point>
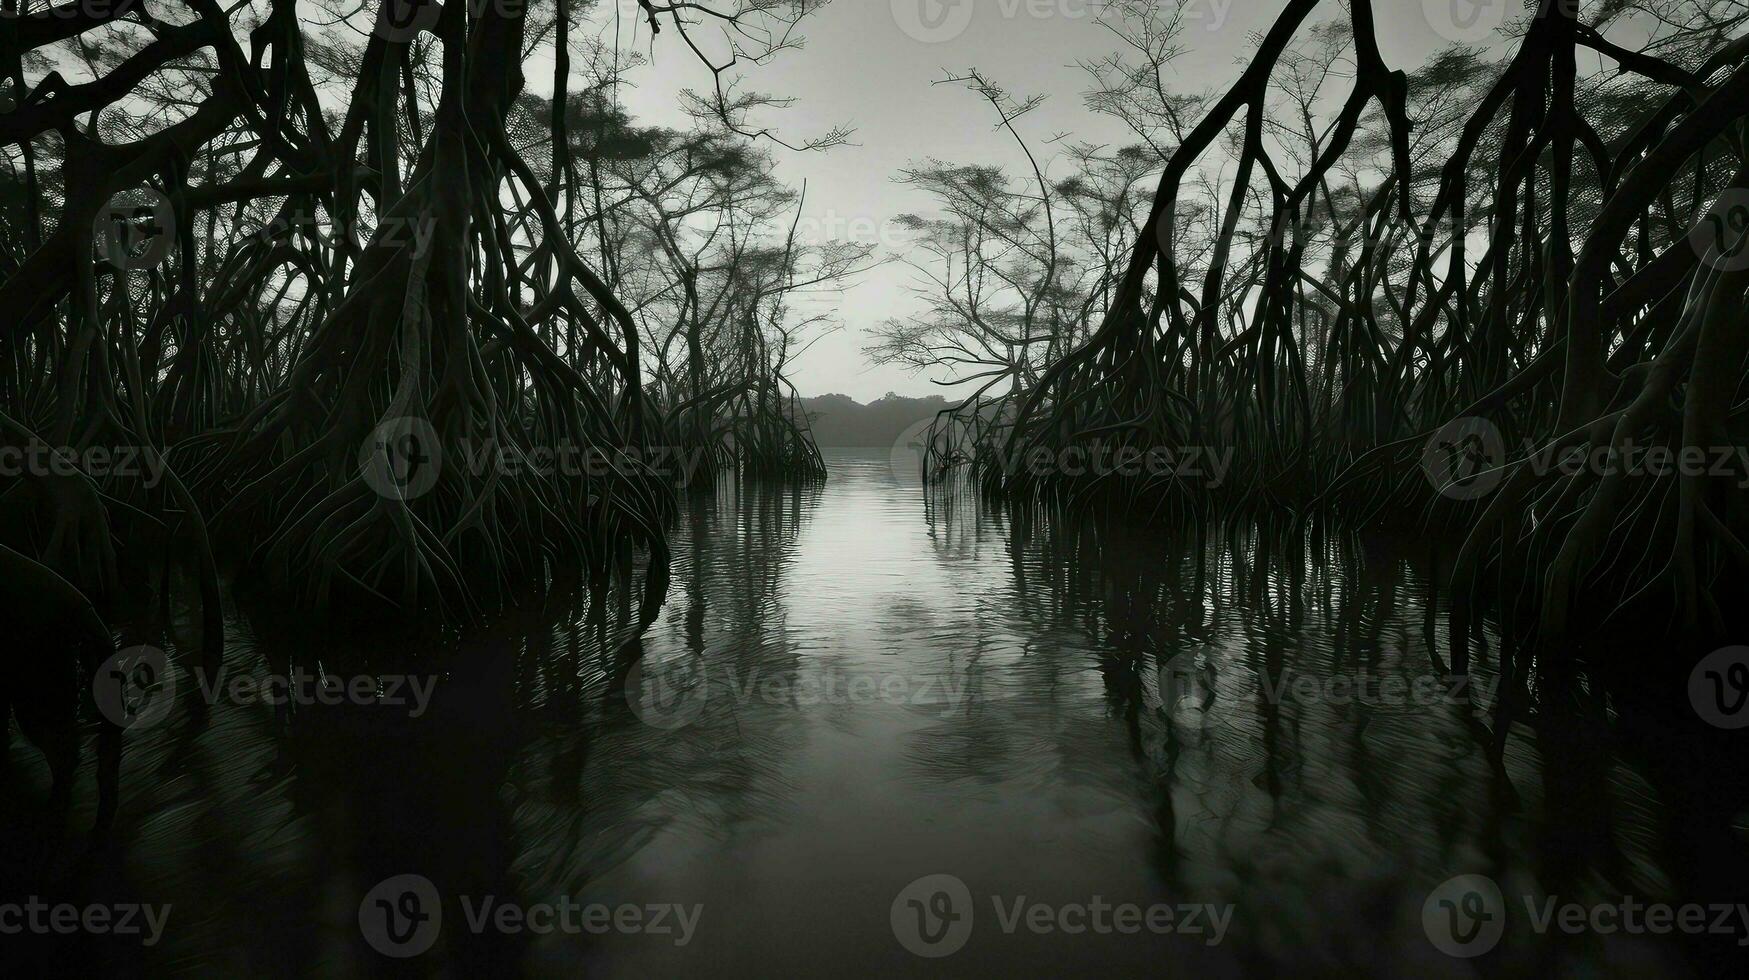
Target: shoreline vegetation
<point>303,275</point>
<point>1372,284</point>
<point>351,304</point>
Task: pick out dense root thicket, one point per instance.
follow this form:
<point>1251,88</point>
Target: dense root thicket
<point>1550,280</point>
<point>370,322</point>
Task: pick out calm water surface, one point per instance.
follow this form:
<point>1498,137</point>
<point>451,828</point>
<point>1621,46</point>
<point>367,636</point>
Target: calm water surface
<point>857,685</point>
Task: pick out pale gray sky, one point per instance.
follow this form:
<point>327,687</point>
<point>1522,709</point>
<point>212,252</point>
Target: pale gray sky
<point>870,64</point>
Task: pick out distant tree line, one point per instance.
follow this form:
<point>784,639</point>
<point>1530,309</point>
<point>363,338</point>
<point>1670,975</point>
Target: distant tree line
<point>839,420</point>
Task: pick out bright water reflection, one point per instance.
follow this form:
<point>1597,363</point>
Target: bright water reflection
<point>858,685</point>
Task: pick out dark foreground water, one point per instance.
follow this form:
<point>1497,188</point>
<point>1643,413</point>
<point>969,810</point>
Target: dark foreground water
<point>876,731</point>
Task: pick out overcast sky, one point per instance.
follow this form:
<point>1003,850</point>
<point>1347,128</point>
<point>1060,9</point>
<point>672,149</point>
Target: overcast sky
<point>870,64</point>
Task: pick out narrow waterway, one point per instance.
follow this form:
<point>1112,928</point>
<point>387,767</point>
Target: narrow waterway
<point>1097,758</point>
